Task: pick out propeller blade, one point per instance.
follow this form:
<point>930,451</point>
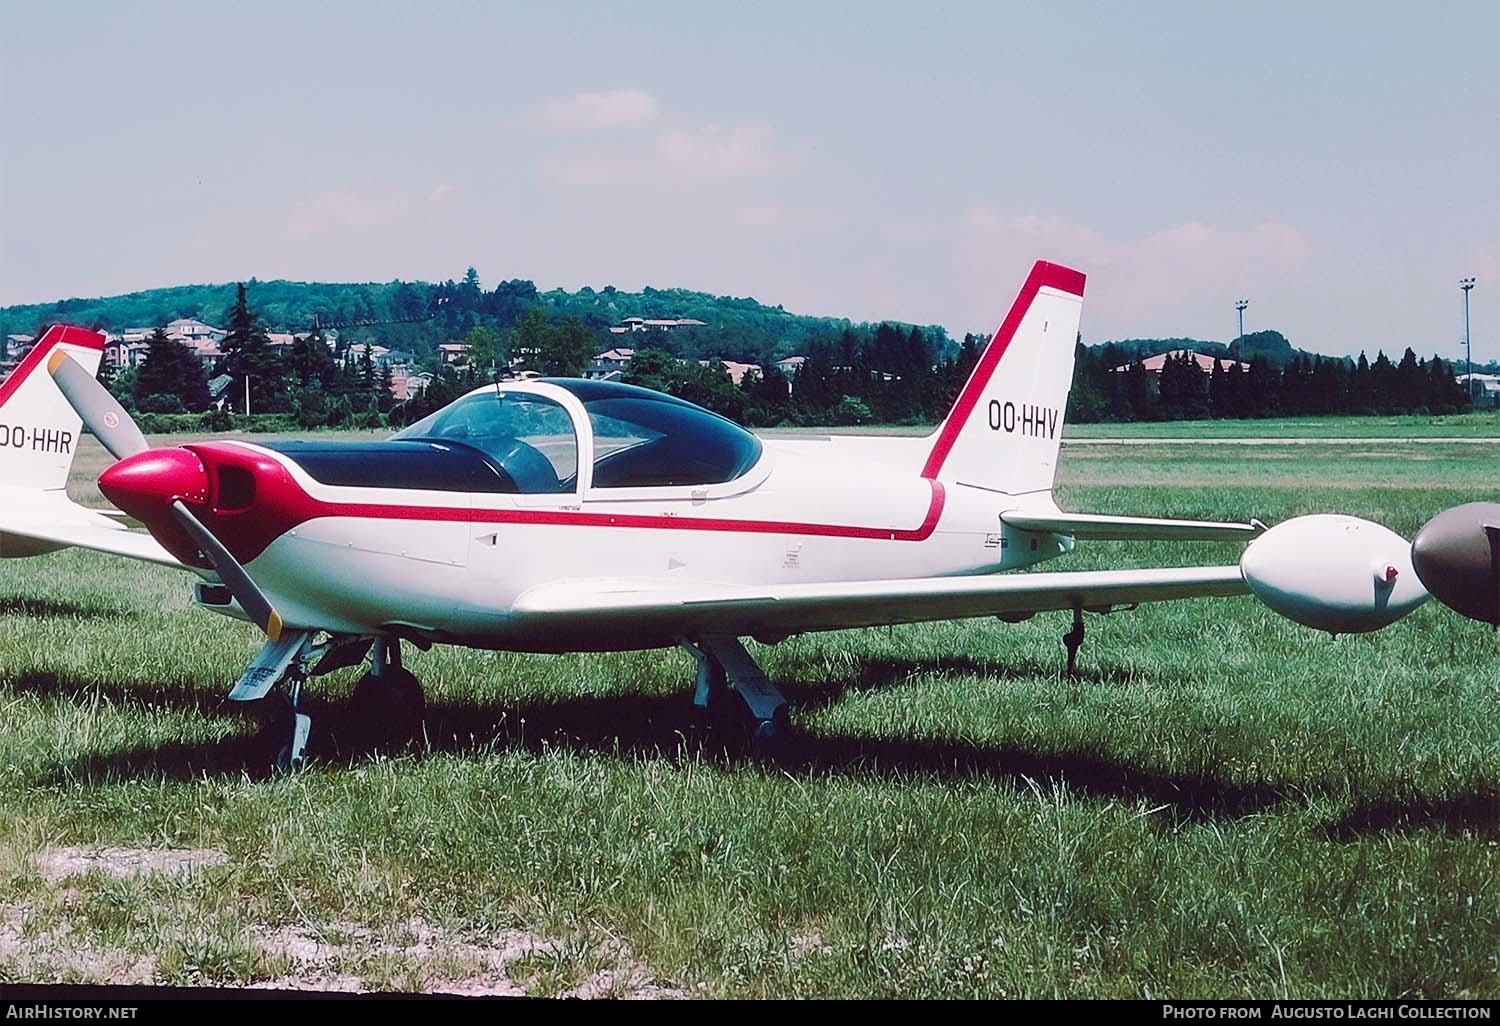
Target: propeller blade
<point>105,417</point>
<point>251,599</point>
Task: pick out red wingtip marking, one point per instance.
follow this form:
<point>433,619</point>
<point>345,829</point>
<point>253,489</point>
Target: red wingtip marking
<point>53,337</point>
<point>1043,274</point>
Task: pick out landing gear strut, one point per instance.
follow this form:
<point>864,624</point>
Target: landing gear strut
<point>1074,641</point>
<point>726,670</point>
<point>388,701</point>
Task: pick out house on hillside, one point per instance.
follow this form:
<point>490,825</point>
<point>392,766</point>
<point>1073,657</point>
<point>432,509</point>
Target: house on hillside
<point>187,329</point>
<point>407,384</point>
<point>609,366</point>
<point>631,324</point>
<point>737,371</point>
<point>1154,364</point>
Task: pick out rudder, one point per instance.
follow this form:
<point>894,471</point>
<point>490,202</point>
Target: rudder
<point>39,430</point>
<point>1005,428</point>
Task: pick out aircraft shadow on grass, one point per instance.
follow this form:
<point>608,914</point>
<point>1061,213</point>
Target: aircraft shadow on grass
<point>51,609</point>
<point>667,727</point>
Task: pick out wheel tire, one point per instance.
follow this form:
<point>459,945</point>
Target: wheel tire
<point>271,748</point>
<point>771,740</point>
<point>388,710</point>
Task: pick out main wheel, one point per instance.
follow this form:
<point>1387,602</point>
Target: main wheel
<point>771,740</point>
<point>388,710</point>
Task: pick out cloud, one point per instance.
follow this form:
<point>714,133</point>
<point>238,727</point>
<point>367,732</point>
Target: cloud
<point>358,207</point>
<point>440,194</point>
<point>679,158</point>
<point>715,154</point>
<point>661,149</point>
<point>1152,281</point>
<point>588,112</point>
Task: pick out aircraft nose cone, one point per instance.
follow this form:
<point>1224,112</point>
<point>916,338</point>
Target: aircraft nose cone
<point>1457,557</point>
<point>145,484</point>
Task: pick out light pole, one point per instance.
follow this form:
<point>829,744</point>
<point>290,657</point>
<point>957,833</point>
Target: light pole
<point>1240,305</point>
<point>1466,284</point>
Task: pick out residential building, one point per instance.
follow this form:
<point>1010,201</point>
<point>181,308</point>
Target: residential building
<point>1154,364</point>
<point>630,324</point>
<point>1485,389</point>
<point>610,365</point>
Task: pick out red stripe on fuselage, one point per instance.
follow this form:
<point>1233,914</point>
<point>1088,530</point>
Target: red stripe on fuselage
<point>51,339</point>
<point>638,521</point>
<point>1064,279</point>
<point>281,504</point>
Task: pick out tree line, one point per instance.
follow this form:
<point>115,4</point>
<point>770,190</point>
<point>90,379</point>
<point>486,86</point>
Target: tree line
<point>1307,385</point>
<point>861,374</point>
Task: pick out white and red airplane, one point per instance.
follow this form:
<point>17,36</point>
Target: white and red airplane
<point>561,515</point>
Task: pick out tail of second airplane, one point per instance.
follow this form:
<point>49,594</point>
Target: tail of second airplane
<point>1005,429</point>
<point>38,429</point>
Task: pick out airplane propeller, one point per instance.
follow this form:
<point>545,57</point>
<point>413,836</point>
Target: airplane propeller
<point>118,433</point>
<point>104,416</point>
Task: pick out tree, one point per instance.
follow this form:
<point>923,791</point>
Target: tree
<point>248,355</point>
<point>311,363</point>
<point>528,336</point>
<point>566,348</point>
<point>170,379</point>
<point>656,369</point>
<point>851,410</point>
<point>489,351</point>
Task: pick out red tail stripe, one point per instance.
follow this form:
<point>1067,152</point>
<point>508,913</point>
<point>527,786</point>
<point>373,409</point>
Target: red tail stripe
<point>1064,279</point>
<point>51,339</point>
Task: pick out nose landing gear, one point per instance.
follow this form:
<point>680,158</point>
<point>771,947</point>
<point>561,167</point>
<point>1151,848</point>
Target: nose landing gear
<point>388,706</point>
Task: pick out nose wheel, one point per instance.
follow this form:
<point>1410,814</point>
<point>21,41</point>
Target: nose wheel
<point>282,739</point>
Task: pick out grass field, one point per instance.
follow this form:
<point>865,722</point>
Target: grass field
<point>1221,804</point>
<point>1464,425</point>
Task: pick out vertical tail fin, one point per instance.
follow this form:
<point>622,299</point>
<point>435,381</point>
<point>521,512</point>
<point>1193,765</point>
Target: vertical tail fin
<point>1004,430</point>
<point>38,429</point>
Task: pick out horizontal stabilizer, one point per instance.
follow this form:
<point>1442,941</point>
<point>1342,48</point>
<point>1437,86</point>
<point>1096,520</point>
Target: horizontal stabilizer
<point>107,537</point>
<point>1098,527</point>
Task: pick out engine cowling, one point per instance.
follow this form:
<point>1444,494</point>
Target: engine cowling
<point>1335,573</point>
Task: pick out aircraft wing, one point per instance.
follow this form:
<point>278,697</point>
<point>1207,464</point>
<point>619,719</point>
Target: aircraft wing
<point>54,520</point>
<point>616,606</point>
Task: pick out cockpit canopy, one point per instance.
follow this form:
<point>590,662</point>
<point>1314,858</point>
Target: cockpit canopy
<point>641,439</point>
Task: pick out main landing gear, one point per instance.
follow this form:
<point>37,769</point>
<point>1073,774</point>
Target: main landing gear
<point>388,703</point>
<point>1074,641</point>
<point>729,681</point>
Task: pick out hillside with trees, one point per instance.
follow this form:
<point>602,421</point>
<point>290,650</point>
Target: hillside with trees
<point>418,316</point>
<point>851,373</point>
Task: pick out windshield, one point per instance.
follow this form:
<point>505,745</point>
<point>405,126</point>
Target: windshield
<point>531,438</point>
<point>641,441</point>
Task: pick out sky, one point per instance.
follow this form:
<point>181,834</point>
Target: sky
<point>1335,163</point>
